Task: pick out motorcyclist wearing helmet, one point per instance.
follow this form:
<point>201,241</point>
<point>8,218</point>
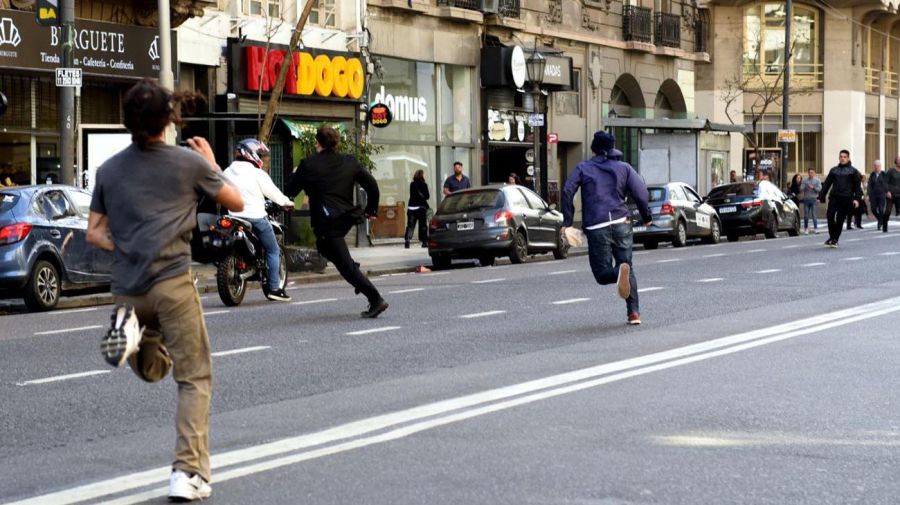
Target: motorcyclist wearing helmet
<point>255,185</point>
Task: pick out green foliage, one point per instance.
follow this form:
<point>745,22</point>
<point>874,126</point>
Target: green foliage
<point>363,151</point>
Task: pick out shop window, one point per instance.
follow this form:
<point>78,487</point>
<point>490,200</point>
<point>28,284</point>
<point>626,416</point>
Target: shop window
<point>101,105</point>
<point>323,14</point>
<point>456,104</point>
<point>408,89</point>
<point>18,93</point>
<point>872,145</point>
<point>268,8</point>
<point>890,142</point>
<point>764,40</point>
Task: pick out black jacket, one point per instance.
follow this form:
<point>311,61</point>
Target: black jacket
<point>893,180</point>
<point>843,182</point>
<point>878,185</point>
<point>328,179</point>
<point>418,194</point>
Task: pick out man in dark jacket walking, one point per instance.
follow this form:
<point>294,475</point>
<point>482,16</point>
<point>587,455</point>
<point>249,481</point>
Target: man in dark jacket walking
<point>878,190</point>
<point>893,182</point>
<point>604,183</point>
<point>843,184</point>
<point>329,178</point>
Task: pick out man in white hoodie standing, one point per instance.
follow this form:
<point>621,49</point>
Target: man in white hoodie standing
<point>255,185</point>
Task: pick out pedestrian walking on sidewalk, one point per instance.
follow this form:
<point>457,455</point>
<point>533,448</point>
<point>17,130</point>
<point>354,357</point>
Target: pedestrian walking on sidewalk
<point>604,184</point>
<point>843,190</point>
<point>893,195</point>
<point>328,178</point>
<point>417,211</point>
<point>856,214</point>
<point>810,189</point>
<point>143,210</point>
<point>458,181</point>
<point>878,190</point>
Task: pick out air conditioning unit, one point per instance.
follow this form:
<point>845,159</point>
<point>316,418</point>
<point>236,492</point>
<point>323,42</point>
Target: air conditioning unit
<point>490,6</point>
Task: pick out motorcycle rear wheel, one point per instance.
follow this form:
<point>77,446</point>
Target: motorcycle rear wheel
<point>231,286</point>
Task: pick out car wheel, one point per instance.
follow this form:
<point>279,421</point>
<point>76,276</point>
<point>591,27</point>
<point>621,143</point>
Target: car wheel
<point>651,245</point>
<point>487,260</point>
<point>43,287</point>
<point>519,250</point>
<point>732,237</point>
<point>680,238</point>
<point>441,261</point>
<point>795,229</point>
<point>771,230</point>
<point>715,232</point>
<point>562,248</point>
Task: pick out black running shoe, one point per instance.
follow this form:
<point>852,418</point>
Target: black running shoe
<point>278,295</point>
<point>123,338</point>
<point>375,309</point>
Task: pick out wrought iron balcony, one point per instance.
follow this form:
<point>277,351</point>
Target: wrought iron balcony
<point>637,23</point>
<point>474,5</point>
<point>701,36</point>
<point>510,8</point>
<point>668,30</point>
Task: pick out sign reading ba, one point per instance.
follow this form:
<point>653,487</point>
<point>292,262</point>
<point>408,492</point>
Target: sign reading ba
<point>68,77</point>
<point>46,12</point>
<point>380,115</point>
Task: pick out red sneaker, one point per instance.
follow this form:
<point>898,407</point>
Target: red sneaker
<point>634,319</point>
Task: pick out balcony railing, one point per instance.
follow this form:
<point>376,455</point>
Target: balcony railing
<point>803,75</point>
<point>474,5</point>
<point>873,80</point>
<point>668,30</point>
<point>890,83</point>
<point>701,36</point>
<point>637,23</point>
<point>510,8</point>
<point>505,8</point>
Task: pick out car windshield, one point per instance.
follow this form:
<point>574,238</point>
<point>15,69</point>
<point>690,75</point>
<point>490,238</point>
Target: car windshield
<point>471,200</point>
<point>8,201</point>
<point>741,189</point>
<point>657,194</point>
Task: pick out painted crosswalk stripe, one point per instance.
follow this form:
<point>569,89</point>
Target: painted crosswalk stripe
<point>573,300</point>
<point>712,279</point>
<point>854,258</point>
<point>401,291</point>
<point>69,330</point>
<point>488,281</point>
<point>63,377</point>
<point>889,253</point>
<point>483,314</point>
<point>652,288</point>
<point>310,302</point>
<point>242,350</point>
<point>817,264</point>
<point>769,271</point>
<point>373,330</point>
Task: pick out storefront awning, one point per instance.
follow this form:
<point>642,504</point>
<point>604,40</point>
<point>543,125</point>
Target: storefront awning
<point>297,128</point>
<point>671,124</point>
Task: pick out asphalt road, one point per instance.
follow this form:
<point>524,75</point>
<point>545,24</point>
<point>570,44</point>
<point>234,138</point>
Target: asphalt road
<point>763,373</point>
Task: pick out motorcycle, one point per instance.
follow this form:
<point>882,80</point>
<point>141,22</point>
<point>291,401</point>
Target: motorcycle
<point>238,253</point>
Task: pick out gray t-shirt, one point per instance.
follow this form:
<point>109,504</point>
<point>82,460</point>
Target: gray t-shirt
<point>150,198</point>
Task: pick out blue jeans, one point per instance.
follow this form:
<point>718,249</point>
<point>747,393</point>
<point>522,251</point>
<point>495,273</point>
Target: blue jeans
<point>809,208</point>
<point>262,228</point>
<point>607,249</point>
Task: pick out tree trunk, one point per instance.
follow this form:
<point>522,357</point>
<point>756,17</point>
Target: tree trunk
<point>266,130</point>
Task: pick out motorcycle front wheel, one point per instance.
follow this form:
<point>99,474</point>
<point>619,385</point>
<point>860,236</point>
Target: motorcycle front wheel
<point>231,286</point>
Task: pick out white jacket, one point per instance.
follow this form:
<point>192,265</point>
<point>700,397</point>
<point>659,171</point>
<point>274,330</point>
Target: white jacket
<point>255,186</point>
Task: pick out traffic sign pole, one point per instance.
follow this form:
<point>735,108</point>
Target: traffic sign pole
<point>67,98</point>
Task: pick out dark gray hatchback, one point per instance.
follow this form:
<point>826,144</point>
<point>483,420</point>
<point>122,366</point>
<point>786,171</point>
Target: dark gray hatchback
<point>43,252</point>
<point>492,221</point>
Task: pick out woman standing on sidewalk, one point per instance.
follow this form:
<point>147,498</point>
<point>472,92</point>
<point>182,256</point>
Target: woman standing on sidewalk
<point>417,211</point>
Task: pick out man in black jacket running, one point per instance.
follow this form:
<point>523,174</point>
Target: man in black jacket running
<point>843,183</point>
<point>329,178</point>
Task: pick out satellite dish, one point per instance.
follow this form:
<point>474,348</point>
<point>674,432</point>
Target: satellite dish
<point>4,103</point>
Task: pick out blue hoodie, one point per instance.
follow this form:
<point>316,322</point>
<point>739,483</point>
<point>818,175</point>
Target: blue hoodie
<point>604,184</point>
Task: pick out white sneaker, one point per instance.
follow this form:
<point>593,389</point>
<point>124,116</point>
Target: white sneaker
<point>123,338</point>
<point>187,488</point>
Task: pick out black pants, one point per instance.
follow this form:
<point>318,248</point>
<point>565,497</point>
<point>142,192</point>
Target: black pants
<point>332,246</point>
<point>895,203</point>
<point>880,211</point>
<point>855,215</point>
<point>413,217</point>
<point>838,210</point>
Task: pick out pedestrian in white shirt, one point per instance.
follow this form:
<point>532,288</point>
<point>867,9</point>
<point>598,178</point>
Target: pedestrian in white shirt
<point>255,186</point>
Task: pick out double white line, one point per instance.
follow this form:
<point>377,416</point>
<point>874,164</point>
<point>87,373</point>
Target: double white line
<point>404,423</point>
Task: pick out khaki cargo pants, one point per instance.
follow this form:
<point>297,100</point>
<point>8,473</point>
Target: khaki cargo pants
<point>176,334</point>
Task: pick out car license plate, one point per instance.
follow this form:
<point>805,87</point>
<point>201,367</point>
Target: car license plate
<point>726,210</point>
<point>640,228</point>
<point>465,225</point>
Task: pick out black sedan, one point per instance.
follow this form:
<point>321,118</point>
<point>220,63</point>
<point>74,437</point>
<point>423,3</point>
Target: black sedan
<point>492,221</point>
<point>43,252</point>
<point>748,208</point>
<point>679,214</point>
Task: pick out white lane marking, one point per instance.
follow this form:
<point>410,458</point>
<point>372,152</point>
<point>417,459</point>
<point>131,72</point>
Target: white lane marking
<point>216,312</point>
<point>417,419</point>
<point>487,281</point>
<point>242,350</point>
<point>889,253</point>
<point>671,260</point>
<point>817,264</point>
<point>63,377</point>
<point>652,288</point>
<point>71,311</point>
<point>483,314</point>
<point>769,271</point>
<point>711,279</point>
<point>401,291</point>
<point>68,330</point>
<point>790,246</point>
<point>374,330</point>
<point>434,274</point>
<point>573,300</point>
<point>310,302</point>
<point>756,251</point>
<point>717,255</point>
<point>852,240</point>
<point>854,258</point>
<point>561,272</point>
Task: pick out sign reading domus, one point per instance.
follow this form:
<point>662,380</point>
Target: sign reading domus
<point>101,49</point>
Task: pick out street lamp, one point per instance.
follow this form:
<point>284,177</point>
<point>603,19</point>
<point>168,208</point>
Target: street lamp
<point>535,66</point>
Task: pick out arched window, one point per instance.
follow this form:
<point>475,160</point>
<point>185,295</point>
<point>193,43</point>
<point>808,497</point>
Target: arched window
<point>764,38</point>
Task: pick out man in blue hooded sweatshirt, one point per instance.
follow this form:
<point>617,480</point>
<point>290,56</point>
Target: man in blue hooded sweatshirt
<point>604,184</point>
